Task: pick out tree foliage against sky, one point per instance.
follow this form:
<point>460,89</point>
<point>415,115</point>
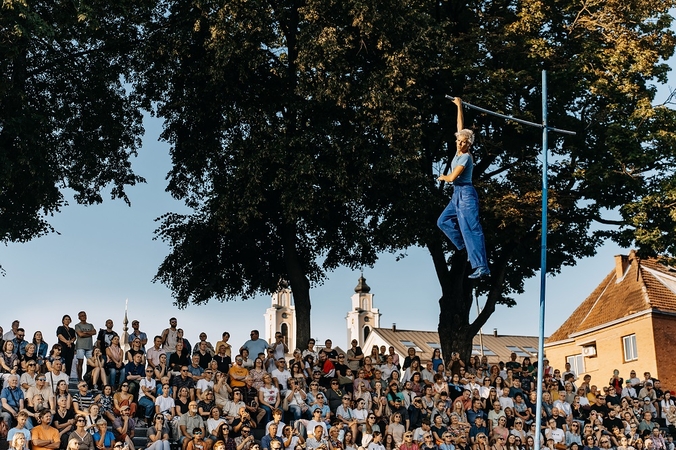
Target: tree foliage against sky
<point>66,121</point>
<point>308,135</point>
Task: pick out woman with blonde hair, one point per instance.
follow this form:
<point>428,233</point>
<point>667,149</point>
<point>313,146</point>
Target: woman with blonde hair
<point>18,442</point>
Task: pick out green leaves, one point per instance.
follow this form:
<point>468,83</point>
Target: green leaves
<point>66,120</point>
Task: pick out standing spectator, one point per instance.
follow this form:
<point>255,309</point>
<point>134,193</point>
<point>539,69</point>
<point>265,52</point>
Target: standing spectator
<point>153,354</point>
<point>67,338</point>
<point>136,333</point>
<point>209,347</point>
<point>105,336</point>
<point>279,347</point>
<point>20,342</point>
<point>310,350</point>
<point>355,355</point>
<point>170,338</point>
<point>254,345</point>
<point>85,342</point>
<point>224,341</point>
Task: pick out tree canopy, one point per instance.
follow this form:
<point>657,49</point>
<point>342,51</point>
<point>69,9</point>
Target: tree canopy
<point>66,120</point>
<point>309,134</point>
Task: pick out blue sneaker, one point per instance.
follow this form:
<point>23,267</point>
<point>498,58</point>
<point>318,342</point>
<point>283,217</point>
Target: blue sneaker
<point>479,272</point>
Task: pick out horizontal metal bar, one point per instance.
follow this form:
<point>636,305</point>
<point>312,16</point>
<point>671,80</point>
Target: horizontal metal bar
<point>525,122</point>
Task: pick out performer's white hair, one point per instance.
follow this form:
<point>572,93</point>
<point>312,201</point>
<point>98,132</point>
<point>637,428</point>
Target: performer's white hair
<point>469,134</point>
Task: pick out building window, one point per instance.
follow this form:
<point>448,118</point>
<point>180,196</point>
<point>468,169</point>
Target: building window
<point>630,351</point>
<point>409,344</point>
<point>576,363</point>
<point>514,349</point>
<point>476,350</point>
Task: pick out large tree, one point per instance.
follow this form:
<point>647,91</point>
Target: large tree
<point>268,147</point>
<point>66,121</point>
<point>601,57</point>
<point>307,135</point>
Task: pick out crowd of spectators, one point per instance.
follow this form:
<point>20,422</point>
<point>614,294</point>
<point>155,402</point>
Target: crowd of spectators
<point>205,397</point>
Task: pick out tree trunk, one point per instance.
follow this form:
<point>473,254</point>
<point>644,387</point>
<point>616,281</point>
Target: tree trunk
<point>299,283</point>
<point>456,332</point>
<point>454,305</point>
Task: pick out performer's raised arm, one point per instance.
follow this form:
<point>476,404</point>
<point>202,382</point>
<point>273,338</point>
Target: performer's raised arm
<point>458,102</point>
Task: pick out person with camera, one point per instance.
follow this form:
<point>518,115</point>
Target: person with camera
<point>242,421</point>
<point>317,441</point>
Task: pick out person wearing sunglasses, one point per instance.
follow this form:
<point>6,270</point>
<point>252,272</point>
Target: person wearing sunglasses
<point>197,442</point>
<point>158,434</point>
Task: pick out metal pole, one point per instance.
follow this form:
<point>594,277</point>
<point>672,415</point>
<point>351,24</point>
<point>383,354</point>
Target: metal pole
<point>543,267</point>
<point>543,248</point>
<point>478,311</point>
<point>503,116</point>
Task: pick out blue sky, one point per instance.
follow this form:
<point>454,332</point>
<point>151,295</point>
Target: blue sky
<point>106,254</point>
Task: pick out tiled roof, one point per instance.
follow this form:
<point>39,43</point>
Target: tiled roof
<point>497,345</point>
<point>642,285</point>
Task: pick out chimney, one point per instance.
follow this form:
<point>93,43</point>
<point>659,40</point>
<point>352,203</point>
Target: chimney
<point>394,326</point>
<point>621,264</point>
<point>495,332</point>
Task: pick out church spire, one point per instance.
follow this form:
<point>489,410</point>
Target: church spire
<point>362,287</point>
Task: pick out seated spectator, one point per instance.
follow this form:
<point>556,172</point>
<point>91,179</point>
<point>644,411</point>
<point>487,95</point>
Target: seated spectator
<point>115,362</point>
<point>205,405</point>
<point>104,439</point>
<point>44,436</point>
<point>18,442</point>
<point>64,421</point>
<point>178,359</point>
<point>147,394</point>
<point>214,424</point>
<point>317,441</point>
<point>96,374</point>
<point>12,400</point>
<point>84,438</point>
<point>22,427</point>
<point>158,434</point>
<point>190,424</point>
<point>184,380</point>
<point>134,373</point>
<point>123,398</point>
<point>204,384</point>
<point>136,348</point>
<point>124,427</point>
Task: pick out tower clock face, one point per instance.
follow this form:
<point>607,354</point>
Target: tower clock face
<point>366,319</point>
<point>285,316</point>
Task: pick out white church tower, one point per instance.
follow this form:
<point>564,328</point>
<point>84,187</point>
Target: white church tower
<point>363,317</point>
<point>281,316</point>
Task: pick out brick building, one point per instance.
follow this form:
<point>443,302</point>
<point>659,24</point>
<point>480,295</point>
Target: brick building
<point>627,323</point>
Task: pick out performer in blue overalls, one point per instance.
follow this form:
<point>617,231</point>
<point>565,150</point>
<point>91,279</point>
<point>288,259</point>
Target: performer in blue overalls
<point>460,220</point>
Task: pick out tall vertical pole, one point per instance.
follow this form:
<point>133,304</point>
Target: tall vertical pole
<point>543,267</point>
